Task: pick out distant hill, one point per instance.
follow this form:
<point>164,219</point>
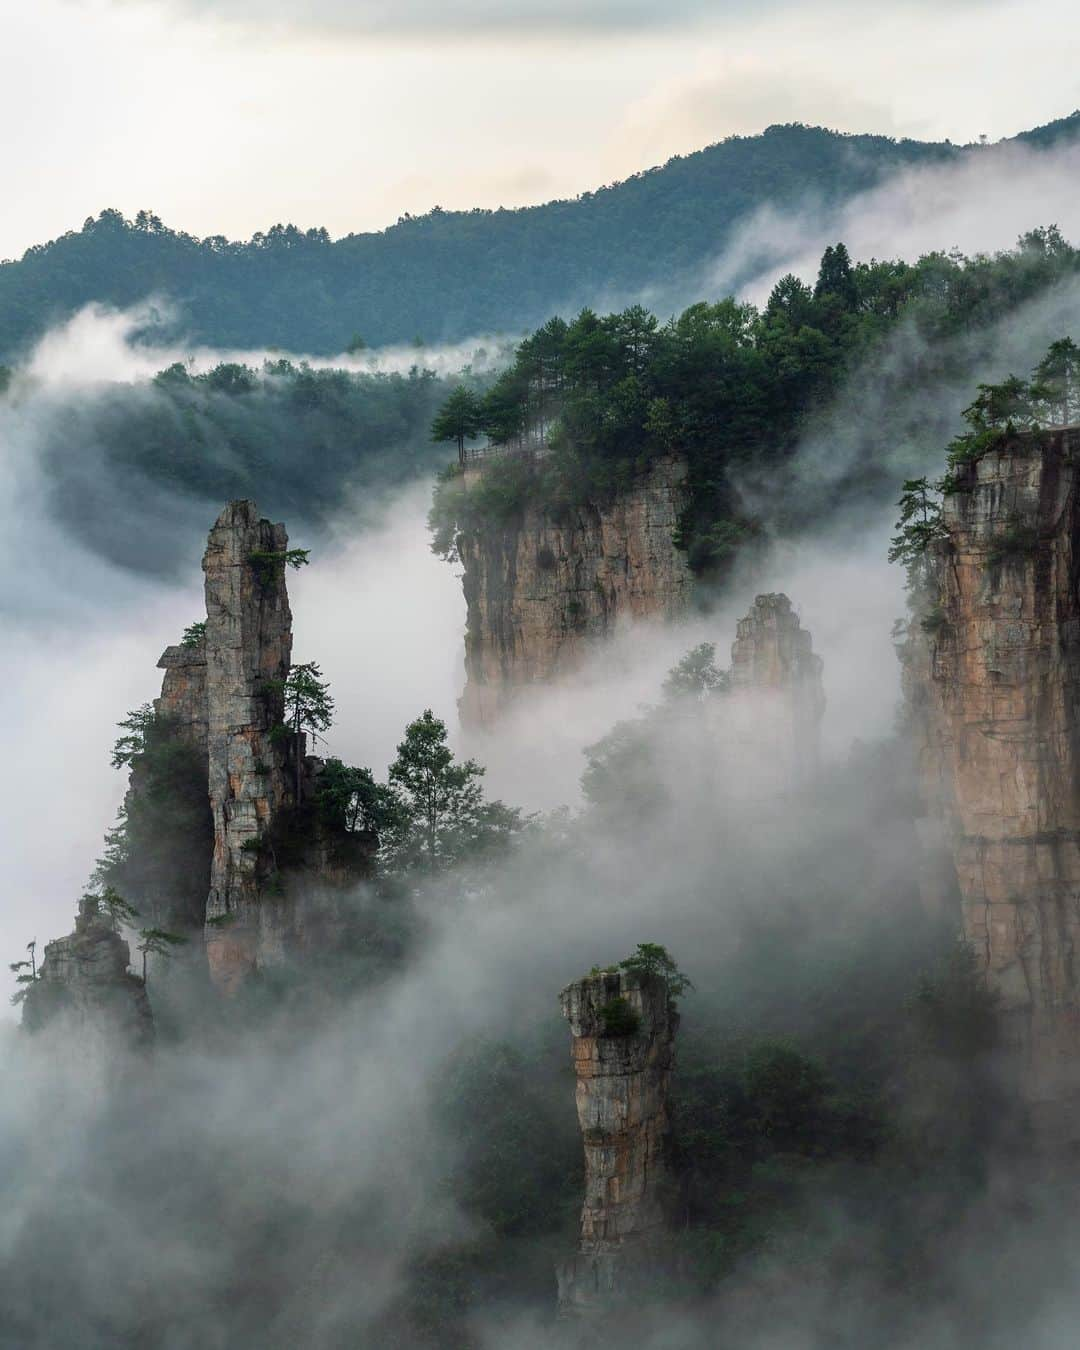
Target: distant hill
<point>451,274</point>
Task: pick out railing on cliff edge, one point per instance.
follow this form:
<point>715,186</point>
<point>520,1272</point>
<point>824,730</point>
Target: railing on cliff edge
<point>526,447</point>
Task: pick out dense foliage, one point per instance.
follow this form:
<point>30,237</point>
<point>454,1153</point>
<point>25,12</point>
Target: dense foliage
<point>997,415</point>
<point>447,274</point>
<point>296,439</point>
<point>732,388</point>
<point>157,855</point>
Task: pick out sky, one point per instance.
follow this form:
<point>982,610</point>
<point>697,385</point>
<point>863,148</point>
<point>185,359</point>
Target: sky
<point>226,116</point>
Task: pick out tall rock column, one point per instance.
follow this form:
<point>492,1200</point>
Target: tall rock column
<point>992,676</point>
<point>777,701</point>
<point>623,1026</point>
<point>248,650</point>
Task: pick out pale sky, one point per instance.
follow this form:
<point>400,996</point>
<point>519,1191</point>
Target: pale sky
<point>226,116</point>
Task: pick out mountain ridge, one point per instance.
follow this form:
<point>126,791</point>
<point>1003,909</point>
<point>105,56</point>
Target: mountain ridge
<point>447,275</point>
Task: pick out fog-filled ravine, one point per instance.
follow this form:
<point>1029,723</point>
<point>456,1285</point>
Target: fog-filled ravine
<point>706,975</point>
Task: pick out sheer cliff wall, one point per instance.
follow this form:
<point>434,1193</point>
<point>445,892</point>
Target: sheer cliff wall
<point>992,678</point>
<point>539,592</point>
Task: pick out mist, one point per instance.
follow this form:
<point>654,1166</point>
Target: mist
<point>283,1178</point>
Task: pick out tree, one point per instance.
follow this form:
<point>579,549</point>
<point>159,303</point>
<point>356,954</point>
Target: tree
<point>444,817</point>
<point>157,942</point>
<point>696,675</point>
<point>136,725</point>
<point>1057,381</point>
<point>308,708</point>
<point>349,799</point>
<point>107,903</point>
<point>1007,405</point>
<point>653,959</point>
<point>158,852</point>
<point>267,561</point>
<point>835,277</point>
<point>919,525</point>
<point>25,972</point>
<point>504,408</point>
<point>459,419</point>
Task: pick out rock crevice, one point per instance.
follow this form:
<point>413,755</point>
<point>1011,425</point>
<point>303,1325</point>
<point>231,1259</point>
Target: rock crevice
<point>540,592</point>
<point>992,680</point>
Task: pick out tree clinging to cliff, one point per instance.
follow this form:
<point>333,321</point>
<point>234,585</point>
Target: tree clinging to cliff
<point>308,708</point>
<point>459,419</point>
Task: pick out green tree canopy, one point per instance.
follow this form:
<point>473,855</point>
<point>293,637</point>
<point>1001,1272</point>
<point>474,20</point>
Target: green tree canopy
<point>460,419</point>
<point>444,817</point>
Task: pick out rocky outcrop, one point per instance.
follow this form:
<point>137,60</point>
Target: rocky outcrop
<point>992,677</point>
<point>623,1026</point>
<point>775,700</point>
<point>541,591</point>
<point>85,988</point>
<point>183,691</point>
<point>248,649</point>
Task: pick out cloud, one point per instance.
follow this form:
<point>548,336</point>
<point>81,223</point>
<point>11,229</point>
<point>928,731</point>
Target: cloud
<point>504,17</point>
<point>980,203</point>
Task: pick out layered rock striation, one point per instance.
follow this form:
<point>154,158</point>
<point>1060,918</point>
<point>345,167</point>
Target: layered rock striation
<point>248,650</point>
<point>183,692</point>
<point>992,678</point>
<point>539,592</point>
<point>85,987</point>
<point>623,1027</point>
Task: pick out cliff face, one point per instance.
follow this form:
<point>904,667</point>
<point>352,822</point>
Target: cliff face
<point>993,683</point>
<point>622,1105</point>
<point>248,649</point>
<point>84,986</point>
<point>776,699</point>
<point>183,692</point>
<point>538,593</point>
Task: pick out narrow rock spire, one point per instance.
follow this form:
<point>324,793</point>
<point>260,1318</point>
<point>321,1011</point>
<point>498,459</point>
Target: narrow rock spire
<point>776,691</point>
<point>248,650</point>
<point>623,1026</point>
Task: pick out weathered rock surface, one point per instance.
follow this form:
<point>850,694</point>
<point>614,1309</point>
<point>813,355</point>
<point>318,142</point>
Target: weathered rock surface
<point>85,986</point>
<point>776,699</point>
<point>622,1104</point>
<point>183,692</point>
<point>248,650</point>
<point>992,676</point>
<point>540,592</point>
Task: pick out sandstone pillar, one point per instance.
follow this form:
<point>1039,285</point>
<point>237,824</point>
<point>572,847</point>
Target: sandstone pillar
<point>623,1027</point>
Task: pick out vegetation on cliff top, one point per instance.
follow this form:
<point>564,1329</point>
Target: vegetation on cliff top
<point>997,415</point>
<point>588,405</point>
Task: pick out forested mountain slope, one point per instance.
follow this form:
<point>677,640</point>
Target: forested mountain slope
<point>448,274</point>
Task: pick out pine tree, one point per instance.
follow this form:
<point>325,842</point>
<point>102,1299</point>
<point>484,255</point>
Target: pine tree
<point>1057,381</point>
<point>308,708</point>
<point>459,419</point>
<point>443,816</point>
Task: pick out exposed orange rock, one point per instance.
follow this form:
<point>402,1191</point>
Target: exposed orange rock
<point>622,1104</point>
<point>541,591</point>
<point>248,649</point>
<point>993,684</point>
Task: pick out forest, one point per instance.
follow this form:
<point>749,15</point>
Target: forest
<point>301,291</point>
<point>736,391</point>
